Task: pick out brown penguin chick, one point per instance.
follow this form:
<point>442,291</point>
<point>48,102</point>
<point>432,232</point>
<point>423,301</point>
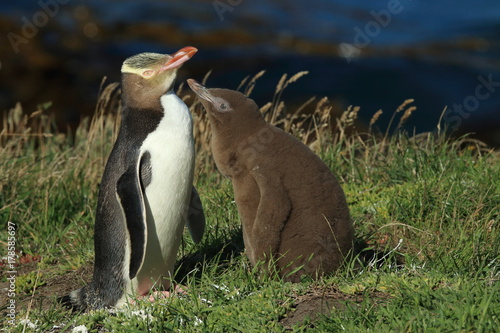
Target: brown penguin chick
<point>291,206</point>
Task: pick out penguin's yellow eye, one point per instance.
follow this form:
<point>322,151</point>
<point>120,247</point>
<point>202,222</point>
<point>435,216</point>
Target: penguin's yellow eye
<point>148,73</point>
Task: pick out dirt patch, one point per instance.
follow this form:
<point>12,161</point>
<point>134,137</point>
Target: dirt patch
<point>55,284</point>
<point>321,301</point>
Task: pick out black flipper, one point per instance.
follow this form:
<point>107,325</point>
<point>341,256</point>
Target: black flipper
<point>196,217</point>
<point>131,198</point>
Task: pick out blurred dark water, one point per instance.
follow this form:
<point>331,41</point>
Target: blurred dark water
<point>373,54</point>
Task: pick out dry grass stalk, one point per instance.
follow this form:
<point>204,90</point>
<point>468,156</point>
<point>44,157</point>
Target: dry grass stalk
<point>105,124</point>
<point>375,118</point>
<point>17,123</point>
<point>242,83</point>
<point>299,123</point>
<point>441,118</point>
<point>21,131</point>
<point>251,84</point>
<point>265,108</point>
<point>281,84</point>
<point>301,108</point>
<point>205,78</point>
<point>321,125</point>
<point>405,116</point>
<point>296,77</point>
<point>349,116</point>
<point>404,104</point>
<point>323,112</point>
<point>399,109</point>
<point>345,121</point>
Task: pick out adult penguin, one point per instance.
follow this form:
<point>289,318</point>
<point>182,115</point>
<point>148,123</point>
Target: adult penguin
<point>146,195</point>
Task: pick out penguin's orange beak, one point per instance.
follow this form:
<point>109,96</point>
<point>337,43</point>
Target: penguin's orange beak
<point>179,57</point>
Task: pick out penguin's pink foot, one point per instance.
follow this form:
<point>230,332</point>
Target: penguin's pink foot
<point>157,295</point>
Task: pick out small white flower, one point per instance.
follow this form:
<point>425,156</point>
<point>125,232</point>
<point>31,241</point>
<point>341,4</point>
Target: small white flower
<point>142,314</point>
<point>29,323</point>
<point>197,321</point>
<point>80,329</point>
<point>111,310</point>
<point>223,288</point>
<point>206,301</point>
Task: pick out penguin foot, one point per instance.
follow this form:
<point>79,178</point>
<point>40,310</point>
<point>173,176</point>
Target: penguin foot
<point>157,295</point>
<point>65,301</point>
<point>73,301</point>
<point>163,294</point>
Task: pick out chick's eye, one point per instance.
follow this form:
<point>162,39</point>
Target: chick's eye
<point>223,106</point>
<point>148,73</point>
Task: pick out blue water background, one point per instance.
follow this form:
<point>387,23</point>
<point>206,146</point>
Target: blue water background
<point>405,59</point>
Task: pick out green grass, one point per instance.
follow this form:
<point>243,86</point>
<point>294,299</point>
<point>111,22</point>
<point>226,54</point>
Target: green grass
<point>431,201</point>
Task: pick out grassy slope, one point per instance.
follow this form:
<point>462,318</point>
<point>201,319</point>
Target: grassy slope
<point>431,200</point>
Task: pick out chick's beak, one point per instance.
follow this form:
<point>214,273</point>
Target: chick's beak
<point>179,57</point>
<point>200,90</point>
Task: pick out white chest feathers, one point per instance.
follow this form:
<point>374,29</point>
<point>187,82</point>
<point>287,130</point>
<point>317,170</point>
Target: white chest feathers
<point>167,196</point>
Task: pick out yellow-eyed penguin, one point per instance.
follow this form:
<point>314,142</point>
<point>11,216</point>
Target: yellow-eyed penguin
<point>146,195</point>
<point>293,210</point>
